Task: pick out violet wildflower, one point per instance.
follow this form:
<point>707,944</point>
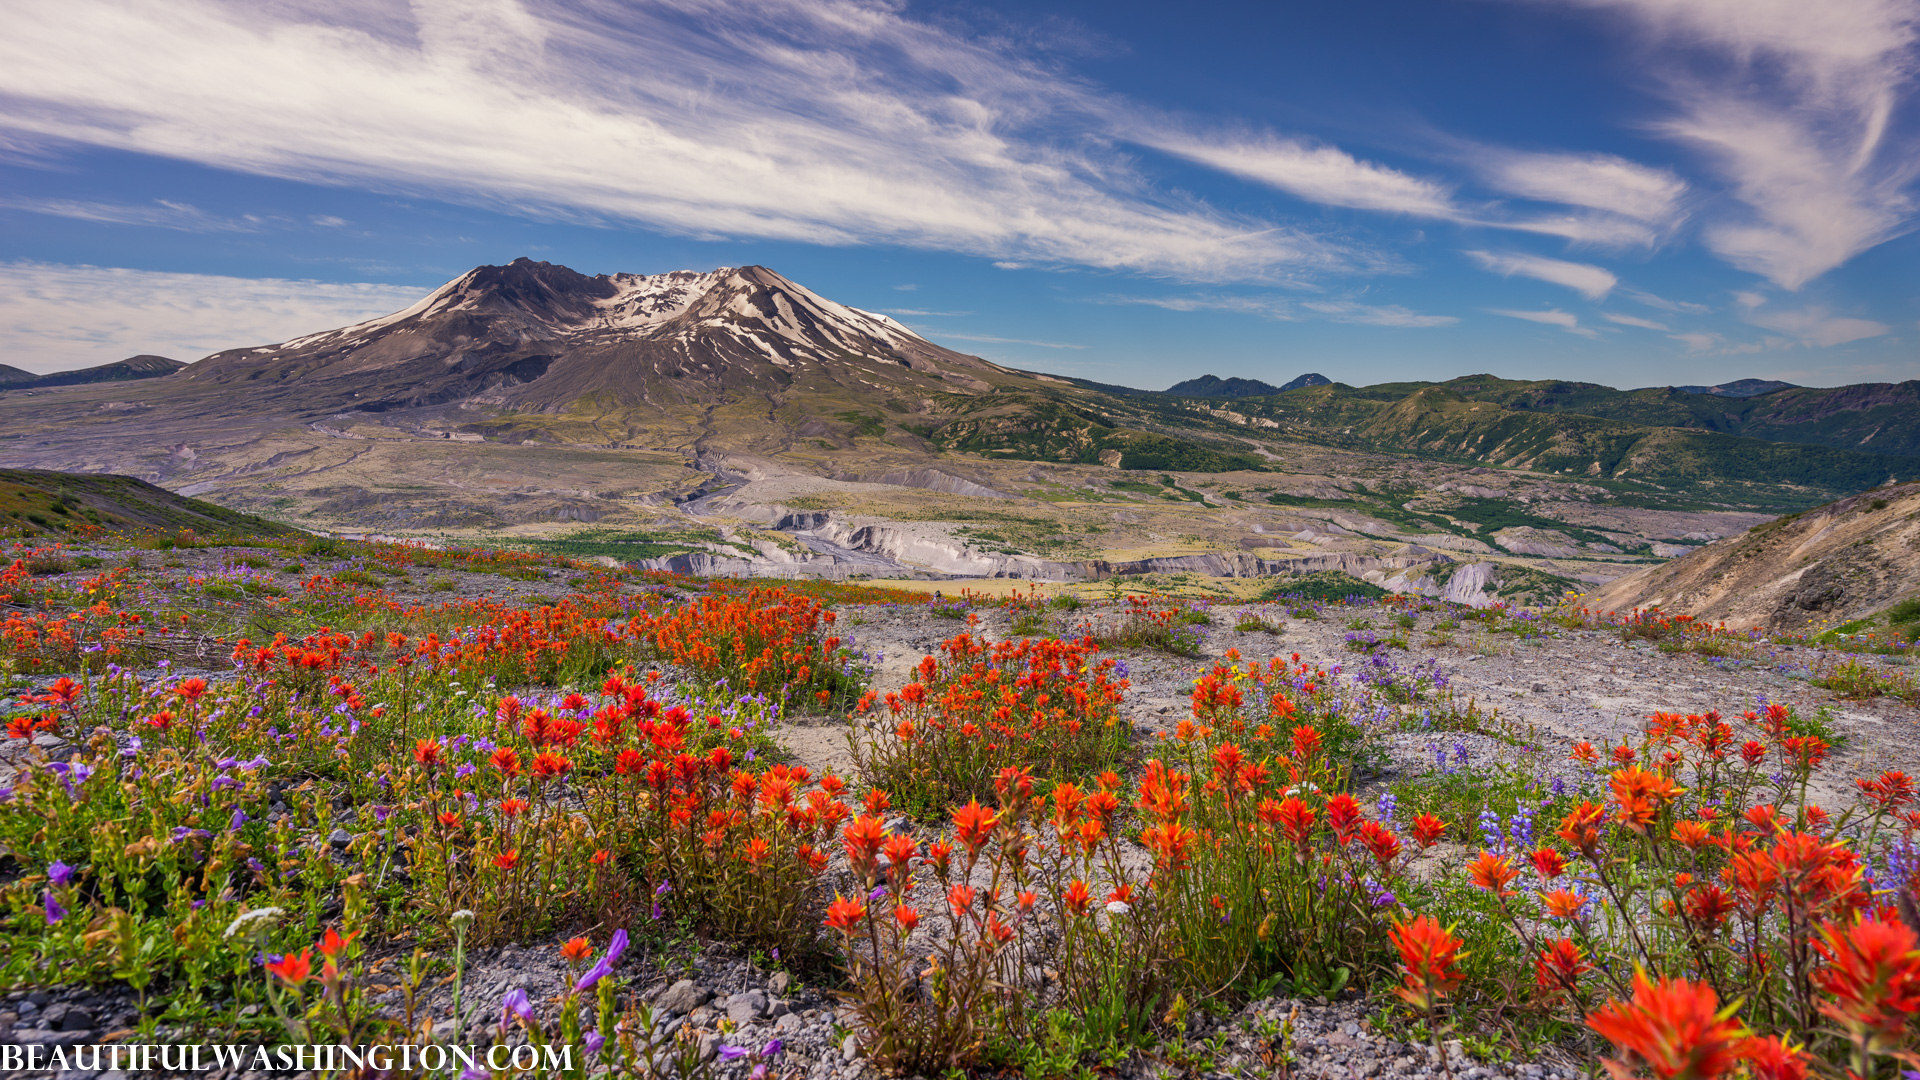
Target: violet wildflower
<point>516,1003</point>
<point>54,911</point>
<point>59,874</point>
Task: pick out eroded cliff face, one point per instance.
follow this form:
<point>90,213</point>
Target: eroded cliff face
<point>831,545</point>
<point>1846,560</point>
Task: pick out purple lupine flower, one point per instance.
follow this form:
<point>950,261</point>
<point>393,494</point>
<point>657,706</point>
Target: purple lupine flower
<point>59,873</point>
<point>239,818</point>
<point>54,911</point>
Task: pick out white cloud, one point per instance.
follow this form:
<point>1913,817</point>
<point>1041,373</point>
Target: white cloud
<point>1793,110</point>
<point>161,213</point>
<point>1592,282</point>
<point>1597,181</point>
<point>53,318</point>
<point>1565,320</point>
<point>1281,309</point>
<point>1319,174</point>
<point>818,121</point>
<point>1815,325</point>
<point>999,340</point>
<point>1697,341</point>
<point>1347,311</point>
<point>1634,320</point>
<point>1664,304</point>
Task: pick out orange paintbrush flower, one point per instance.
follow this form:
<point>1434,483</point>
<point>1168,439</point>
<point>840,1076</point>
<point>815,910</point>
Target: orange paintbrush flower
<point>1429,960</point>
<point>577,949</point>
<point>1492,873</point>
<point>1872,973</point>
<point>1562,903</point>
<point>427,752</point>
<point>1674,1029</point>
<point>1548,863</point>
<point>507,860</point>
<point>1560,966</point>
<point>845,915</point>
<point>1427,830</point>
<point>862,839</point>
<point>293,968</point>
<point>973,825</point>
<point>1077,899</point>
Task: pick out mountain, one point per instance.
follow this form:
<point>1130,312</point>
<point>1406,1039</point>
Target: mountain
<point>143,366</point>
<point>1880,417</point>
<point>1854,558</point>
<point>1739,388</point>
<point>1213,386</point>
<point>36,502</point>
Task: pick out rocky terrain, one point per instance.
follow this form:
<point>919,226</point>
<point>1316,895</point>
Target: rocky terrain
<point>1846,561</point>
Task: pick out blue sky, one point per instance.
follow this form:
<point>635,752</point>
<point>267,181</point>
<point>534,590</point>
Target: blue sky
<point>1633,192</point>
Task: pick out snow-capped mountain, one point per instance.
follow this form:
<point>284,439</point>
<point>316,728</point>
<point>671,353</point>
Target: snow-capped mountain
<point>533,334</point>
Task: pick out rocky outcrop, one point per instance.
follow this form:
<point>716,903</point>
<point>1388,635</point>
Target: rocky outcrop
<point>1848,559</point>
<point>1473,584</point>
<point>1527,540</point>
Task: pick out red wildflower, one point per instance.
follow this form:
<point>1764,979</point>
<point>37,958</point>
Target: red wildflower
<point>577,949</point>
<point>1872,973</point>
<point>427,752</point>
<point>1560,966</point>
<point>863,839</point>
<point>190,689</point>
<point>1380,842</point>
<point>973,825</point>
<point>1548,863</point>
<point>507,860</point>
<point>506,761</point>
<point>1429,960</point>
<point>1674,1029</point>
<point>548,765</point>
<point>1772,1059</point>
<point>293,968</point>
<point>1427,830</point>
<point>845,915</point>
<point>907,917</point>
<point>1492,873</point>
<point>1077,899</point>
<point>1343,813</point>
<point>332,943</point>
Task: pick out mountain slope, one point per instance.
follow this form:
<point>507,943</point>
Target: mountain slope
<point>1846,560</point>
<point>37,502</point>
<point>1878,417</point>
<point>143,366</point>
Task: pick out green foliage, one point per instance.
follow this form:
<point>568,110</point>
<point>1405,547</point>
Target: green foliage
<point>1323,586</point>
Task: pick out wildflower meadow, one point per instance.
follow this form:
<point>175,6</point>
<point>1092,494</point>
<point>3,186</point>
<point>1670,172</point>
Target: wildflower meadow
<point>282,794</point>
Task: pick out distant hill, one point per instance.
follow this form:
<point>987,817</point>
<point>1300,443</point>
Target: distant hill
<point>1877,417</point>
<point>1854,558</point>
<point>39,502</point>
<point>143,366</point>
<point>1213,386</point>
<point>1740,388</point>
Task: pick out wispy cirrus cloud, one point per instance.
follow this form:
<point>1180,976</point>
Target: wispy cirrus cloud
<point>1283,309</point>
<point>1794,109</point>
<point>820,121</point>
<point>1634,320</point>
<point>59,317</point>
<point>1321,174</point>
<point>1565,320</point>
<point>1813,324</point>
<point>1592,282</point>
